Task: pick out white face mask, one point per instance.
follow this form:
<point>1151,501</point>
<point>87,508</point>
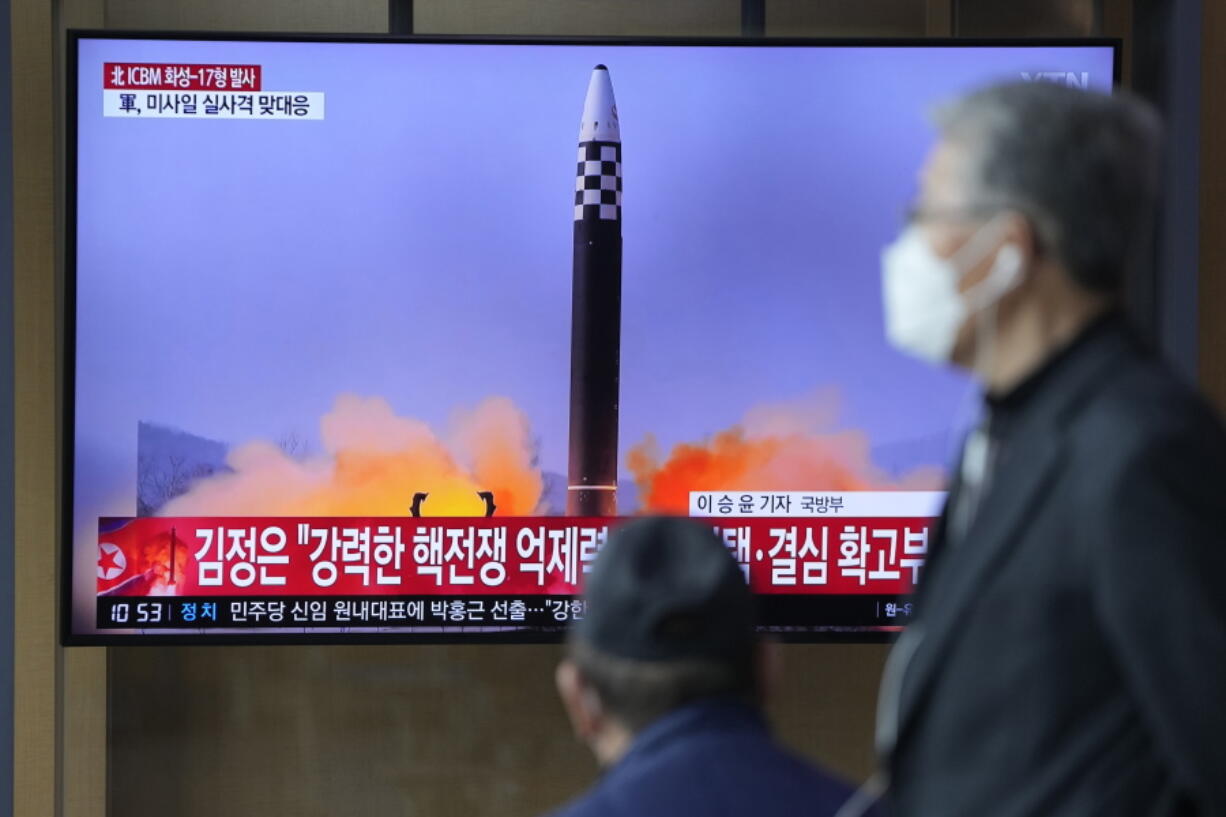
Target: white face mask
<point>923,309</point>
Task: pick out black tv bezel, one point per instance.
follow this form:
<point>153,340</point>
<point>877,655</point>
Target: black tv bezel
<point>67,378</point>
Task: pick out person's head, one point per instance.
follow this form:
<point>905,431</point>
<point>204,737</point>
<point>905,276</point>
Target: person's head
<point>669,621</point>
<point>1033,205</point>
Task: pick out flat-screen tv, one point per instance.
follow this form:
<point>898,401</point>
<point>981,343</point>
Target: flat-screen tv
<point>377,339</point>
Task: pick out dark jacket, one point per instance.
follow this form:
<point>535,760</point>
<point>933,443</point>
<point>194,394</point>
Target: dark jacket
<point>1069,654</point>
<point>710,759</point>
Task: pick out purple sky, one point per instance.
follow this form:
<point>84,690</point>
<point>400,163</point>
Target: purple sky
<point>234,277</point>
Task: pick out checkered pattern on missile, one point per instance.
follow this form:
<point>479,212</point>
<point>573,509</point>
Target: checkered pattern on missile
<point>598,185</point>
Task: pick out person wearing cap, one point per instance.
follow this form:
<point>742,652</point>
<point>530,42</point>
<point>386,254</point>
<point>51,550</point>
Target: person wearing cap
<point>1068,653</point>
<point>664,679</point>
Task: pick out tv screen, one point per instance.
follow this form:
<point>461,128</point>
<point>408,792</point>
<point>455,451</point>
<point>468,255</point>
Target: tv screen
<point>377,340</point>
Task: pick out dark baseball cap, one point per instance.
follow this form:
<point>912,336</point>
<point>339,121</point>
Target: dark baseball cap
<point>666,588</point>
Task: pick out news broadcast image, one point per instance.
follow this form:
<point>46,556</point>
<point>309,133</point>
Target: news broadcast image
<point>381,339</point>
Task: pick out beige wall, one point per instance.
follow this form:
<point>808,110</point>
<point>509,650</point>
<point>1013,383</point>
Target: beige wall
<point>556,17</point>
<point>559,17</point>
<point>406,730</point>
<point>37,662</point>
<point>882,18</point>
<point>300,16</point>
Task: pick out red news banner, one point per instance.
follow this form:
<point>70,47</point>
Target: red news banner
<point>347,556</point>
<point>161,76</point>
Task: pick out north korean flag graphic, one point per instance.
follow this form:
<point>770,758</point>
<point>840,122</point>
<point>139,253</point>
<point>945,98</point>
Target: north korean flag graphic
<point>112,564</point>
<point>136,561</point>
<point>113,567</point>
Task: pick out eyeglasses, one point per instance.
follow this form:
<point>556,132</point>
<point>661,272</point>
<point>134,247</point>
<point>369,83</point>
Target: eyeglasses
<point>918,214</point>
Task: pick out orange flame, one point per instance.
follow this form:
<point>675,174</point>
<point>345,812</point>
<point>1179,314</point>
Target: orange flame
<point>786,447</point>
<point>375,461</point>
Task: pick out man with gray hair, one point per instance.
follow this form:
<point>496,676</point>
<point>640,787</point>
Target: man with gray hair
<point>1068,656</point>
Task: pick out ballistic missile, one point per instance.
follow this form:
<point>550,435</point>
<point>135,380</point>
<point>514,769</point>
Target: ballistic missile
<point>596,295</point>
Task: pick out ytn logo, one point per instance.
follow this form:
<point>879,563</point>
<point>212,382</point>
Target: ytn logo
<point>1069,78</point>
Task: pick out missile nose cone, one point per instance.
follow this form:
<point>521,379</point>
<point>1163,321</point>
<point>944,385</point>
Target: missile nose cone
<point>599,123</point>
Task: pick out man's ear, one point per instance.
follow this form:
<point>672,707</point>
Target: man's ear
<point>579,700</point>
<point>1020,232</point>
